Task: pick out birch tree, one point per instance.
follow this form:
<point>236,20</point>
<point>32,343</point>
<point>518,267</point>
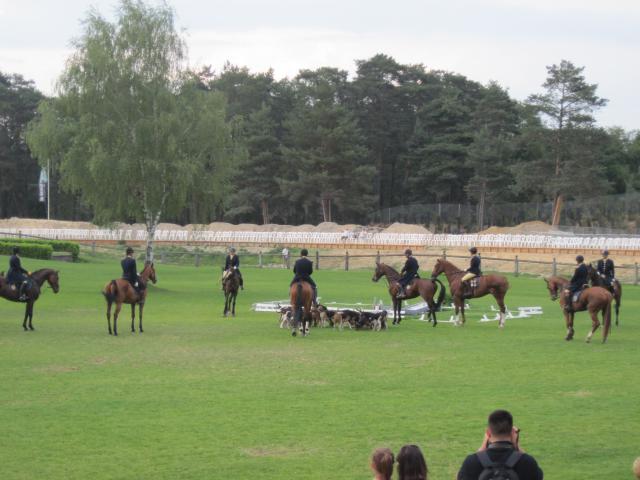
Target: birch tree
<point>133,132</point>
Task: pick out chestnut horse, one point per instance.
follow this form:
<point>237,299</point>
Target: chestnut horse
<point>230,287</point>
<point>301,296</point>
<point>33,291</point>
<point>593,299</point>
<point>615,288</point>
<point>419,286</point>
<point>496,285</point>
<point>121,291</point>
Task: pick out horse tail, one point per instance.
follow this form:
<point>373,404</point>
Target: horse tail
<point>442,291</point>
<point>111,291</point>
<point>607,319</point>
<point>299,302</point>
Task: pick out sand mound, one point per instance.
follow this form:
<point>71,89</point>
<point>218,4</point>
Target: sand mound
<point>406,228</point>
<point>15,222</point>
<point>535,226</point>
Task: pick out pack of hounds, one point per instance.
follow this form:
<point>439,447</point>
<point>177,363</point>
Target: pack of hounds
<point>323,317</point>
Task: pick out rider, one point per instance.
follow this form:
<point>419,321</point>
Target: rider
<point>18,275</point>
<point>472,272</point>
<point>606,268</point>
<point>232,262</point>
<point>130,271</point>
<point>409,272</point>
<point>578,281</point>
<point>303,268</point>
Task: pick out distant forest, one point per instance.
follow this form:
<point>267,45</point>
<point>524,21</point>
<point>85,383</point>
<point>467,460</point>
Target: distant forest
<point>327,146</point>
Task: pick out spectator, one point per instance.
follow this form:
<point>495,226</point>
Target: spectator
<point>500,450</point>
<point>285,257</point>
<point>636,468</point>
<point>382,464</point>
<point>411,464</point>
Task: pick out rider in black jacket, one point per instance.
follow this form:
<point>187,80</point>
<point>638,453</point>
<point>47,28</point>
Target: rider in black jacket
<point>303,268</point>
<point>130,271</point>
<point>232,262</point>
<point>409,272</point>
<point>18,275</point>
<point>578,281</point>
<point>606,268</point>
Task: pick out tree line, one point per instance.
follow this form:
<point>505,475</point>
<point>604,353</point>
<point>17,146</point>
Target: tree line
<point>133,134</point>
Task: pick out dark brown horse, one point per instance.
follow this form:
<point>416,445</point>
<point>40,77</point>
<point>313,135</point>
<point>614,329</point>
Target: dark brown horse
<point>593,299</point>
<point>230,287</point>
<point>301,296</point>
<point>121,291</point>
<point>615,288</point>
<point>33,291</point>
<point>496,285</point>
<point>420,286</point>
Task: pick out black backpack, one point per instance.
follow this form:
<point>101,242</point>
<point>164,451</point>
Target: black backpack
<point>498,470</point>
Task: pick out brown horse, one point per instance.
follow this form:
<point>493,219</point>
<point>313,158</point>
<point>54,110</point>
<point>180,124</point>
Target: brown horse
<point>593,299</point>
<point>615,288</point>
<point>121,291</point>
<point>32,291</point>
<point>496,285</point>
<point>301,295</point>
<point>230,287</point>
<point>422,287</point>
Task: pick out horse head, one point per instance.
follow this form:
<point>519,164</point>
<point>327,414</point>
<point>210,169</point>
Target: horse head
<point>378,273</point>
<point>553,286</point>
<point>149,272</point>
<point>54,280</point>
<point>438,268</point>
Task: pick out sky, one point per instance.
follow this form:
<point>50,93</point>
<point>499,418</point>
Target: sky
<point>507,41</point>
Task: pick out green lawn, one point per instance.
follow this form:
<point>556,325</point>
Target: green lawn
<point>201,396</point>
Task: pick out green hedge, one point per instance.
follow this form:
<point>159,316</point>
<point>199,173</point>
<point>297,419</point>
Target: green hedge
<point>56,245</point>
<point>27,250</point>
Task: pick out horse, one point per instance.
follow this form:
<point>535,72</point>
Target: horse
<point>615,288</point>
<point>496,285</point>
<point>32,291</point>
<point>121,291</point>
<point>301,296</point>
<point>230,286</point>
<point>419,286</point>
<point>593,299</point>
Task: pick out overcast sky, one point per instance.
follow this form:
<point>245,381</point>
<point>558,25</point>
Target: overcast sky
<point>509,41</point>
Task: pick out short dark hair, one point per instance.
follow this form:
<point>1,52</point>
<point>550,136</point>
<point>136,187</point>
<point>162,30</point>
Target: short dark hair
<point>500,422</point>
<point>408,252</point>
<point>605,252</point>
<point>411,463</point>
<point>579,259</point>
<point>129,250</point>
<point>304,252</point>
<point>473,250</point>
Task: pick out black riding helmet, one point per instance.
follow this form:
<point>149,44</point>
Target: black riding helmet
<point>605,253</point>
<point>579,259</point>
<point>304,252</point>
<point>129,250</point>
<point>473,250</point>
<point>16,250</point>
<point>408,252</point>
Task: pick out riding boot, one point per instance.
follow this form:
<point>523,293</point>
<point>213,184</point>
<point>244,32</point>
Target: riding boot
<point>241,283</point>
<point>22,296</point>
<point>568,304</point>
<point>466,290</point>
<point>315,296</point>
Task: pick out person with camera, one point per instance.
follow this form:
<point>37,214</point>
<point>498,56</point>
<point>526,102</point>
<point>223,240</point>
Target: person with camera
<point>500,455</point>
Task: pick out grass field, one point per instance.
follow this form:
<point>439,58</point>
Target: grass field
<point>201,396</point>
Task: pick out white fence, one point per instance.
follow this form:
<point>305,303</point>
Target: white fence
<point>345,239</point>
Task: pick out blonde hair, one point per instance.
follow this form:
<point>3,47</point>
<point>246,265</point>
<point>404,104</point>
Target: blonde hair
<point>382,460</point>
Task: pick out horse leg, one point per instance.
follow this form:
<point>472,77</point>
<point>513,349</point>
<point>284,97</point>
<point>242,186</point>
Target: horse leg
<point>399,307</point>
<point>133,318</point>
<point>464,318</point>
<point>109,316</point>
<point>31,316</point>
<point>595,323</point>
<point>115,318</point>
<point>140,318</point>
<point>568,319</point>
<point>432,312</point>
<point>26,315</point>
<point>226,304</point>
<point>233,308</point>
<point>500,299</point>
